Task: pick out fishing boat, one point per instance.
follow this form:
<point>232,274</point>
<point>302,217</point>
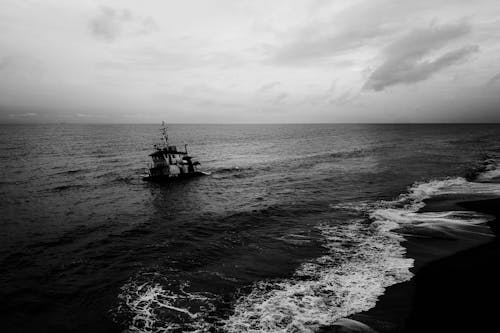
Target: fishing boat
<point>169,163</point>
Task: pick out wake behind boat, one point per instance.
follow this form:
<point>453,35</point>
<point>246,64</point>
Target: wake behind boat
<point>170,163</point>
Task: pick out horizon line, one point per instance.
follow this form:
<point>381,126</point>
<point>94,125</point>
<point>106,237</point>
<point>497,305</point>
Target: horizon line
<point>252,123</point>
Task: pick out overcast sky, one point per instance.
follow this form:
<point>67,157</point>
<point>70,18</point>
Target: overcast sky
<point>219,61</point>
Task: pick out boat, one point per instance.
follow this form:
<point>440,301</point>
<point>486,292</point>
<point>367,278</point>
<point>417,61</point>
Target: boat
<point>169,163</point>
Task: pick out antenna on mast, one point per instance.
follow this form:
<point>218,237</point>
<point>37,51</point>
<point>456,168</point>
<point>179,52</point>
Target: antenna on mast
<point>164,133</point>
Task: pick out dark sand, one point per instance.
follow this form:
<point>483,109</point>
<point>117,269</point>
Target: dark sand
<point>456,286</point>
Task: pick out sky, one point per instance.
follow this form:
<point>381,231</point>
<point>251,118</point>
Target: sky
<point>249,61</point>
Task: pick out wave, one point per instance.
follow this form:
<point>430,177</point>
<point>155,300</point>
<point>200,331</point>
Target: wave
<point>325,155</point>
<point>63,188</point>
<point>72,172</point>
<point>489,175</point>
<point>151,302</point>
<point>490,172</point>
<point>128,179</point>
<point>362,259</point>
<point>348,153</point>
<point>405,214</point>
<point>445,225</point>
<point>122,175</point>
<point>230,169</point>
<point>357,152</point>
<point>233,172</point>
<point>360,263</point>
<point>485,170</point>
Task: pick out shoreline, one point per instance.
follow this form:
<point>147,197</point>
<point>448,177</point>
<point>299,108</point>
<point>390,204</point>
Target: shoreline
<point>454,286</point>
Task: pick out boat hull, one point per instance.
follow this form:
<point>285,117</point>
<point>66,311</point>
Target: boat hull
<point>170,178</point>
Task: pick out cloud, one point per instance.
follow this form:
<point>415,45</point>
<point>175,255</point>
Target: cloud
<point>333,31</point>
<point>493,80</point>
<point>110,23</point>
<point>405,61</point>
<point>325,39</point>
<point>114,60</point>
<point>312,46</point>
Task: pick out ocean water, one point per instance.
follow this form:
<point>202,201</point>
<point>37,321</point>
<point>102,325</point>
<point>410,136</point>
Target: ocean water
<point>294,227</point>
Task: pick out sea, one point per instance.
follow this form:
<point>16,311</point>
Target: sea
<point>291,228</point>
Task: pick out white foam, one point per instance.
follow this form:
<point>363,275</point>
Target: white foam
<point>402,213</point>
<point>161,307</point>
<point>362,259</point>
<point>421,191</point>
<point>401,217</point>
<point>360,263</point>
<point>424,190</point>
<point>489,175</point>
<point>451,224</point>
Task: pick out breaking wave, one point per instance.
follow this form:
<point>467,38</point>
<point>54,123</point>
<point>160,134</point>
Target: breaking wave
<point>484,170</point>
<point>404,214</point>
<point>361,261</point>
<point>489,175</point>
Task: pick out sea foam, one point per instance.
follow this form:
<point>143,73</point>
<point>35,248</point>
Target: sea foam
<point>360,262</point>
<point>403,214</point>
<point>362,259</point>
<point>153,303</point>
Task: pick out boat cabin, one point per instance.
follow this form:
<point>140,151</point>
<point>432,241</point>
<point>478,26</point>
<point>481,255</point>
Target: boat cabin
<point>170,162</point>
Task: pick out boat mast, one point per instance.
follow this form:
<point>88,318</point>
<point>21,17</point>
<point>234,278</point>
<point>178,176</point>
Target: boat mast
<point>164,134</point>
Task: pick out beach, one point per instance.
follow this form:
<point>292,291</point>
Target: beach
<point>452,291</point>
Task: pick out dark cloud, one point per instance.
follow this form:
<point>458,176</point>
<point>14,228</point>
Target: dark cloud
<point>405,58</point>
<point>110,23</point>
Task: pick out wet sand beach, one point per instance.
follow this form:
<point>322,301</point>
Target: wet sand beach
<point>453,290</point>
